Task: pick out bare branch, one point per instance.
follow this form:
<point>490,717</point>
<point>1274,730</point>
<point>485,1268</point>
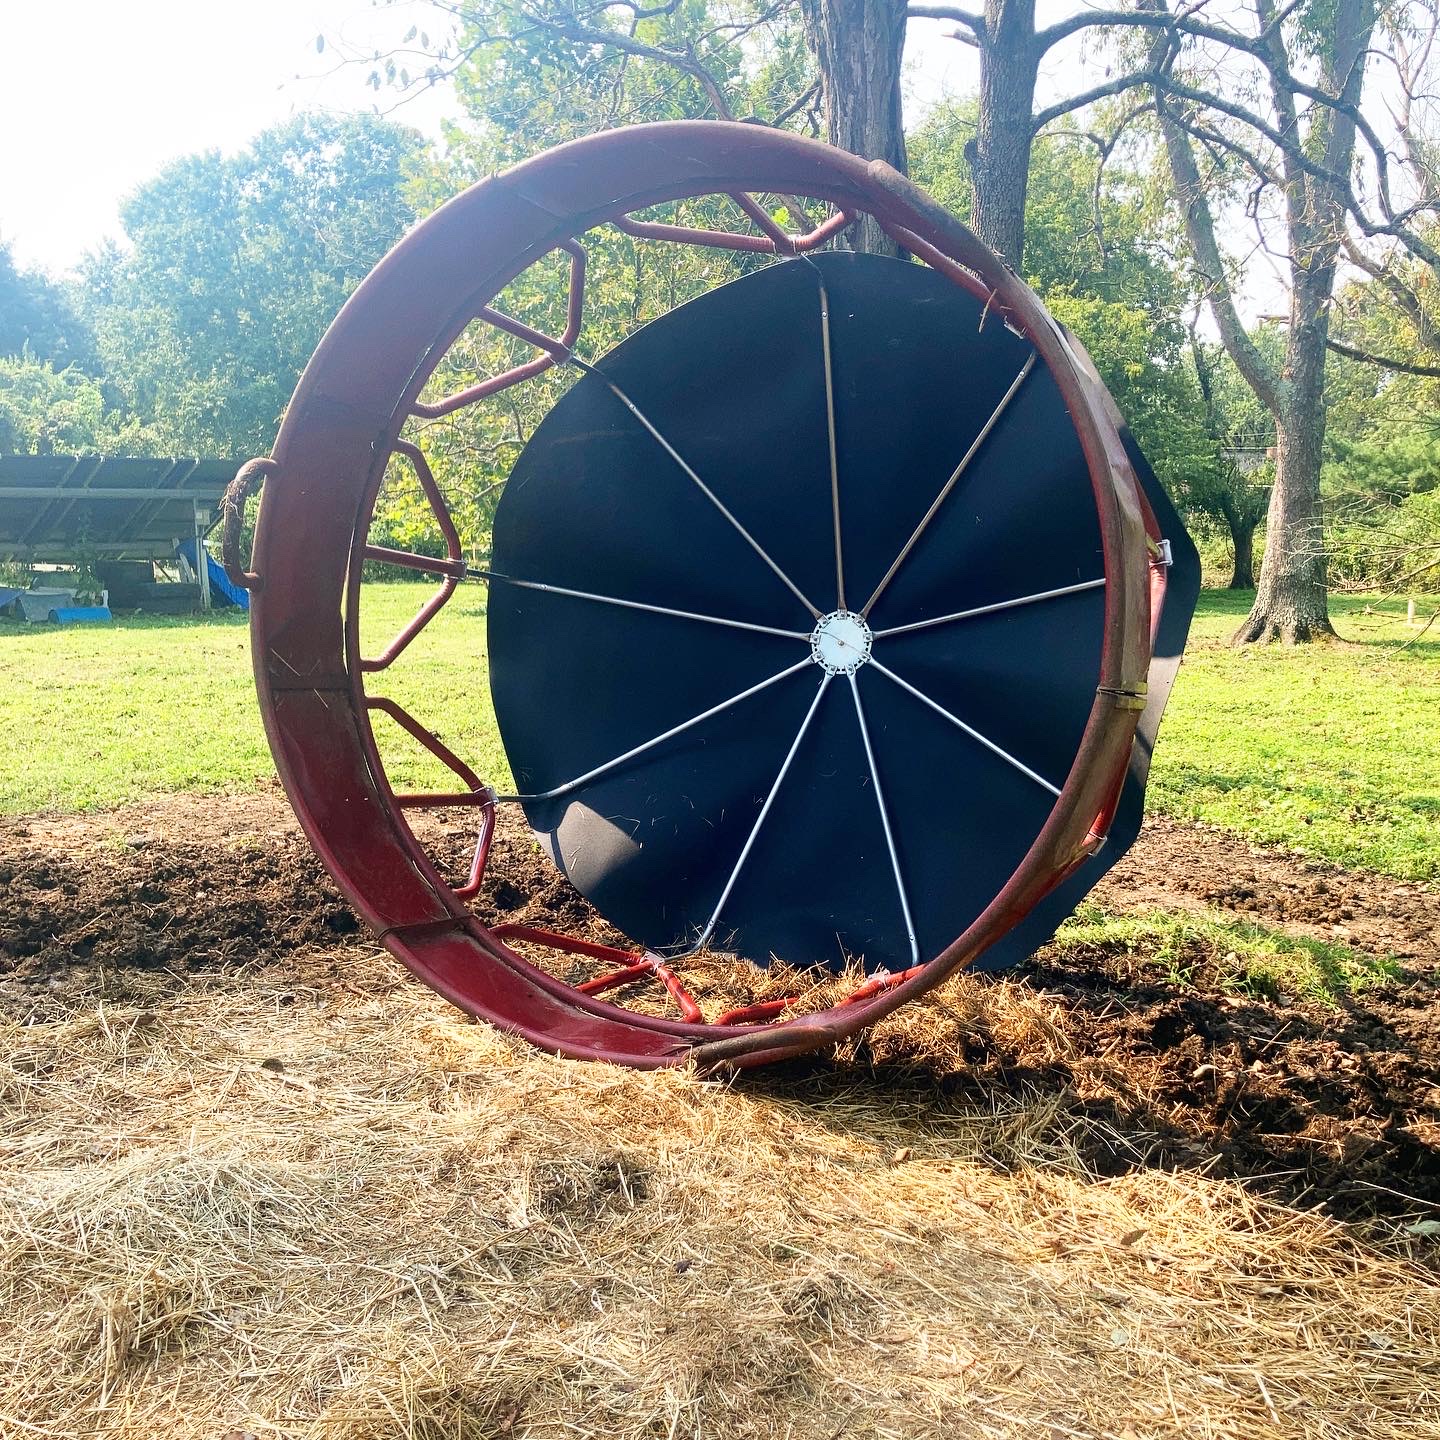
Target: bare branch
<point>974,23</point>
<point>1200,231</point>
<point>803,103</point>
<point>1403,367</point>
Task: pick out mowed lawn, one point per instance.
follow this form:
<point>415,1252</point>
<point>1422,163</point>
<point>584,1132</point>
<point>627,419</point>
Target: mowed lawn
<point>1331,750</point>
<point>98,715</point>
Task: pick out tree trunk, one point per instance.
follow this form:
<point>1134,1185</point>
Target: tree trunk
<point>858,45</point>
<point>1291,602</point>
<point>1242,539</point>
<point>999,155</point>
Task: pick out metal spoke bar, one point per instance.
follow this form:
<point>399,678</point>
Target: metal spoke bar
<point>783,244</point>
<point>974,734</point>
<point>766,244</point>
<point>830,430</point>
<point>757,1013</point>
<point>443,799</point>
<point>579,780</point>
<point>991,609</point>
<point>453,553</point>
<point>966,277</point>
<point>634,965</point>
<point>555,351</point>
<point>954,479</point>
<point>885,822</point>
<point>478,794</point>
<point>481,858</point>
<point>496,577</point>
<point>876,985</point>
<point>704,489</point>
<point>714,920</point>
<point>422,618</point>
<point>408,560</point>
<point>569,944</point>
<point>648,967</point>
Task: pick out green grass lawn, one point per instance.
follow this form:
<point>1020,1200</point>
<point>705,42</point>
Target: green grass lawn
<point>1221,954</point>
<point>1331,750</point>
<point>97,715</point>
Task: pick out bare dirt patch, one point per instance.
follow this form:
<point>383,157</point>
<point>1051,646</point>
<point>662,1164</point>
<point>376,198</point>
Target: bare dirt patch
<point>1323,1105</point>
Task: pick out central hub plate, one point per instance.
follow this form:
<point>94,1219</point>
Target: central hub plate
<point>840,643</point>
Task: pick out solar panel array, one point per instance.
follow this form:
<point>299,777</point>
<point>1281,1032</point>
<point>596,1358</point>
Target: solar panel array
<point>63,508</point>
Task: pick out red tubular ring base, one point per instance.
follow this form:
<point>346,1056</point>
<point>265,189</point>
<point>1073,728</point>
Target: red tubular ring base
<point>364,381</point>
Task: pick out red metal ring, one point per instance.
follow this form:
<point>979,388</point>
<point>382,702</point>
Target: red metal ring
<point>343,424</point>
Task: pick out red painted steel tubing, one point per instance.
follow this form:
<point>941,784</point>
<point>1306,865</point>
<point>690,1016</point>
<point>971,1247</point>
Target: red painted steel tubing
<point>344,422</point>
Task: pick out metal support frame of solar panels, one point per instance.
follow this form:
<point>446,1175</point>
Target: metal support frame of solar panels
<point>63,509</point>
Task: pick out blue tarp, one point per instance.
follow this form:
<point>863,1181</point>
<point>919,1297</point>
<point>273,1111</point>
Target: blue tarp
<point>221,590</point>
<point>69,614</point>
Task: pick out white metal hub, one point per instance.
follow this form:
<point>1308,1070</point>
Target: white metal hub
<point>840,643</point>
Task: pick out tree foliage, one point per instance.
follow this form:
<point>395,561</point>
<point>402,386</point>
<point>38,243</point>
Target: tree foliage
<point>196,326</point>
<point>234,267</point>
<point>45,411</point>
<point>37,319</point>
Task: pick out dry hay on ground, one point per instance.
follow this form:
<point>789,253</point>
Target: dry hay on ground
<point>308,1199</point>
<point>1312,1104</point>
<point>253,1181</point>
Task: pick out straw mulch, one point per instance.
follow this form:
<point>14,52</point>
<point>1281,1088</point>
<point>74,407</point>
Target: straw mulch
<point>313,1201</point>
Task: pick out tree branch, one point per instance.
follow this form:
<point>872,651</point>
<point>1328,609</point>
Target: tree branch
<point>974,23</point>
<point>1427,327</point>
<point>1403,367</point>
<point>1200,231</point>
<point>803,103</point>
<point>682,60</point>
<point>1264,48</point>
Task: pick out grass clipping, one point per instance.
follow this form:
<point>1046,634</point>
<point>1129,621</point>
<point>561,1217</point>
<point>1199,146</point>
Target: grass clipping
<point>319,1203</point>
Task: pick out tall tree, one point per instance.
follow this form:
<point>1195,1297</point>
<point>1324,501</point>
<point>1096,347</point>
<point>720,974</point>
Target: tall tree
<point>856,42</point>
<point>235,266</point>
<point>1234,492</point>
<point>1096,256</point>
<point>45,411</point>
<point>37,319</point>
<point>1290,603</point>
<point>858,47</point>
<point>854,67</point>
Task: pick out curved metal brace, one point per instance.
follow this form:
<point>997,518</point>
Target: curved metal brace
<point>453,553</point>
<point>555,352</point>
<point>772,241</point>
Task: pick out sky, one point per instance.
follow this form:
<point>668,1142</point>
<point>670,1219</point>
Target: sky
<point>99,95</point>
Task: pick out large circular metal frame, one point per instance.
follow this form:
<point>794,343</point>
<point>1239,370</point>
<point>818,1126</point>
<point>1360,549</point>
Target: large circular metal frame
<point>344,425</point>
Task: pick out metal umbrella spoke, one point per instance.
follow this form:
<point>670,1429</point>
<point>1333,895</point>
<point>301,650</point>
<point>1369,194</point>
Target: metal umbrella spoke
<point>951,483</point>
<point>992,609</point>
<point>830,430</point>
<point>885,823</point>
<point>495,577</point>
<point>704,489</point>
<point>557,791</point>
<point>714,920</point>
<point>970,730</point>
